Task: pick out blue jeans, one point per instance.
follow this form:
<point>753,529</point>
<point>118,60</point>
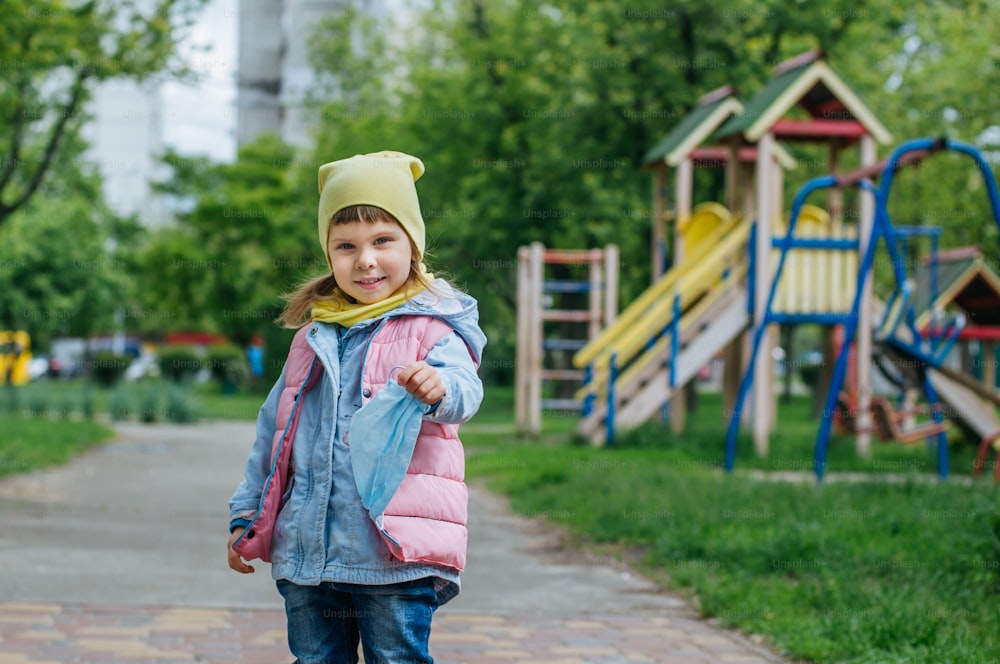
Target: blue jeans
<point>392,622</point>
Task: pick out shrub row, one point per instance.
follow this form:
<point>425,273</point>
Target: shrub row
<point>152,402</point>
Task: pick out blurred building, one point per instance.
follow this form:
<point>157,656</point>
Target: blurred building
<point>274,72</point>
<point>125,138</point>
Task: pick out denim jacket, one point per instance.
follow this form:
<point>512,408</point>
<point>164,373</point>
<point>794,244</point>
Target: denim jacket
<point>332,537</point>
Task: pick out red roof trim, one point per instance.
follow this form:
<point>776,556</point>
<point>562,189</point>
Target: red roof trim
<point>818,128</point>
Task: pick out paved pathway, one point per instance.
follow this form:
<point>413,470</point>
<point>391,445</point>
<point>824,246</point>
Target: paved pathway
<point>118,557</point>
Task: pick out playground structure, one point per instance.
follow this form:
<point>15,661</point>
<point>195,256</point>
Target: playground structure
<point>897,330</point>
<point>15,356</point>
<point>740,270</point>
<point>558,313</point>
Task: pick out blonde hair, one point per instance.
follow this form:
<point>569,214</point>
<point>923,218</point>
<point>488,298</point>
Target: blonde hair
<point>299,303</point>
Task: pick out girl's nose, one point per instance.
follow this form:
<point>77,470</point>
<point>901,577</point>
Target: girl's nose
<point>366,260</point>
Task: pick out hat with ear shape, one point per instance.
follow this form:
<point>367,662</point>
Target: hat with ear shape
<point>381,179</point>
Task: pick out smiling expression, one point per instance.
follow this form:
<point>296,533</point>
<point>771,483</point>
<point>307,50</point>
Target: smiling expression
<point>370,261</point>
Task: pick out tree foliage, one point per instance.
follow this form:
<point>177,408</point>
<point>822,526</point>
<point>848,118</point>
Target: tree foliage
<point>56,274</point>
<point>245,234</point>
<point>533,118</point>
<point>52,52</point>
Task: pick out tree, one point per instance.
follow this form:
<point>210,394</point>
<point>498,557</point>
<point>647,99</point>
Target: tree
<point>533,118</point>
<point>53,51</point>
<point>245,234</point>
<point>56,275</point>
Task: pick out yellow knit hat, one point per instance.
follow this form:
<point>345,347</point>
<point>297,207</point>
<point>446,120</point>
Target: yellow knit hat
<point>382,179</point>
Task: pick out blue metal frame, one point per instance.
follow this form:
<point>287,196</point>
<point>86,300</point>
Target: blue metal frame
<point>881,229</point>
<point>565,286</point>
<point>588,400</point>
<point>784,244</point>
<point>609,415</point>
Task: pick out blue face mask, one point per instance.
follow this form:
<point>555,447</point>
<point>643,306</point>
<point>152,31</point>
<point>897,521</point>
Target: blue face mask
<point>382,436</point>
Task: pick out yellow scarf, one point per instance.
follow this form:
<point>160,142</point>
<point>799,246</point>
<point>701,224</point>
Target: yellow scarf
<point>348,314</point>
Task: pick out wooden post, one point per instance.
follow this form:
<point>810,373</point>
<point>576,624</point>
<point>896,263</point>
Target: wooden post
<point>611,259</point>
<point>834,196</point>
<point>682,210</point>
<point>988,359</point>
<point>521,384</point>
<point>659,253</point>
<point>535,338</point>
<point>863,343</point>
<point>777,193</point>
<point>594,274</point>
<point>683,196</point>
<point>733,179</point>
<point>763,390</point>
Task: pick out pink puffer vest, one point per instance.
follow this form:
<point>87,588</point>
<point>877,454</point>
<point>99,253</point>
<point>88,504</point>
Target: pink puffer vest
<point>426,519</point>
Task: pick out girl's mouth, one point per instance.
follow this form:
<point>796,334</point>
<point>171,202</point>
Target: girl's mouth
<point>371,283</point>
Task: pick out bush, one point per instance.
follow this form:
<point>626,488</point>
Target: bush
<point>88,404</point>
<point>65,405</point>
<point>13,400</point>
<point>37,402</point>
<point>179,363</point>
<point>228,364</point>
<point>180,406</point>
<point>107,367</point>
<point>149,405</point>
<point>120,404</point>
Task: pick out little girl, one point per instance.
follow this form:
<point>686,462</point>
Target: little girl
<point>347,575</point>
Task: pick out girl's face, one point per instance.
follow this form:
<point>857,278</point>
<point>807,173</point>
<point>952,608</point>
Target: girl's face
<point>371,261</point>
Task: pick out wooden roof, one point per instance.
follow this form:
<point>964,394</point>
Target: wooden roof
<point>964,281</point>
<point>834,107</point>
<point>690,134</point>
<point>711,111</point>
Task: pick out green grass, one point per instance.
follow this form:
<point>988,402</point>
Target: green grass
<point>792,443</point>
<point>212,404</point>
<point>30,443</point>
<point>155,398</point>
<point>874,571</point>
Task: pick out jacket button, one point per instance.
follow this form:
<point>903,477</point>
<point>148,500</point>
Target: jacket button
<point>313,331</point>
<point>366,393</point>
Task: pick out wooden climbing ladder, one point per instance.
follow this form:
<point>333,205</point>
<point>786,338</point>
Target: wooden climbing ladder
<point>552,324</point>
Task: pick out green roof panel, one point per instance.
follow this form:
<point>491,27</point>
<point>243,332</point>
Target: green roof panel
<point>685,128</point>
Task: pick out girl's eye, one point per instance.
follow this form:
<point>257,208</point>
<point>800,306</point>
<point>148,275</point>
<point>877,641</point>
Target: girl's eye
<point>345,245</point>
<point>382,240</point>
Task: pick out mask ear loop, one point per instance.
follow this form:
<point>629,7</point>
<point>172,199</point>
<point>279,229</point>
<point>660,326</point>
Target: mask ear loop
<point>398,367</point>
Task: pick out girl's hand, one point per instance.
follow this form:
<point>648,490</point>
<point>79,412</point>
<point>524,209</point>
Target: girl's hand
<point>422,381</point>
<point>235,562</point>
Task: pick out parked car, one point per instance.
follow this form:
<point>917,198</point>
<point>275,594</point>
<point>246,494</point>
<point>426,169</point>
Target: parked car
<point>38,367</point>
